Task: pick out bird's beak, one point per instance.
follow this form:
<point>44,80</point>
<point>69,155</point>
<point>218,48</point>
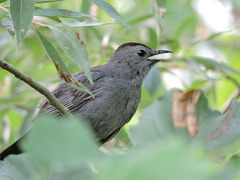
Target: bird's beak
<point>156,55</point>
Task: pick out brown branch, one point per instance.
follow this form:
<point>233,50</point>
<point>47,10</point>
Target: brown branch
<point>35,85</point>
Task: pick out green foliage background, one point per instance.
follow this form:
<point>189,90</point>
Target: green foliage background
<point>160,24</point>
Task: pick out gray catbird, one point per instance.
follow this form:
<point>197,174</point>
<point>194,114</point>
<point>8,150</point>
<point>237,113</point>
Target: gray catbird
<point>117,91</point>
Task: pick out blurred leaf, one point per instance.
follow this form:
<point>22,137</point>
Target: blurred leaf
<point>21,167</point>
<point>140,19</point>
<point>16,119</point>
<point>155,122</point>
<point>220,131</point>
<point>2,1</point>
<point>161,3</point>
<point>197,84</point>
<point>7,22</point>
<point>169,159</point>
<point>215,35</point>
<point>73,23</point>
<point>47,1</point>
<point>58,12</point>
<point>172,43</point>
<point>214,64</point>
<point>217,131</point>
<point>67,142</point>
<point>154,38</point>
<point>152,81</point>
<point>187,27</point>
<point>75,47</point>
<point>85,6</point>
<point>21,14</point>
<point>27,122</point>
<point>231,168</point>
<point>110,11</point>
<point>62,69</point>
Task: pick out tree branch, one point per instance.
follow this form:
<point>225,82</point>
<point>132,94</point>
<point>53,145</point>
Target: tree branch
<point>35,85</point>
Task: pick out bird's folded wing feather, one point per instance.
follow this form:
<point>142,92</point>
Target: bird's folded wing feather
<point>70,97</point>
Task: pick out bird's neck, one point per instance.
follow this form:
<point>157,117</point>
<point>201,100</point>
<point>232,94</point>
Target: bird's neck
<point>127,72</point>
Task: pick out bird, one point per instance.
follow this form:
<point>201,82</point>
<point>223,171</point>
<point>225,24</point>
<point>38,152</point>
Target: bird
<point>116,88</point>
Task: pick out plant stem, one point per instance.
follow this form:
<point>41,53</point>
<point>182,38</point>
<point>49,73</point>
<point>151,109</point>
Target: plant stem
<point>4,9</point>
<point>35,85</point>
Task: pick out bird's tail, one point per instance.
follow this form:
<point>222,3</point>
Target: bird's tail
<point>13,149</point>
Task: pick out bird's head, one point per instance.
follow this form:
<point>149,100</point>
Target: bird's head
<point>135,57</point>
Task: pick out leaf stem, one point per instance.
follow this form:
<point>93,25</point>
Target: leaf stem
<point>40,24</point>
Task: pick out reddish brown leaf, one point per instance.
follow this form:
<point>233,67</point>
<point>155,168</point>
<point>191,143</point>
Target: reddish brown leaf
<point>185,110</point>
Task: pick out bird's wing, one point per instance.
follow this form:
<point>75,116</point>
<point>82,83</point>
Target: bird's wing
<point>109,137</point>
<point>70,97</point>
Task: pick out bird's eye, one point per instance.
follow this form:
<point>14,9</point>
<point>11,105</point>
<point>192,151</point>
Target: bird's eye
<point>141,52</point>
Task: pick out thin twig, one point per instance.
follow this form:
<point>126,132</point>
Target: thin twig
<point>4,9</point>
<point>236,94</point>
<point>35,85</point>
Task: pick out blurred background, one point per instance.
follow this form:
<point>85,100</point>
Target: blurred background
<point>203,34</point>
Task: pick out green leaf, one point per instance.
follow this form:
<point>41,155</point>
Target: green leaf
<point>47,1</point>
<point>65,142</point>
<point>22,14</point>
<point>110,11</point>
<point>166,159</point>
<point>155,122</point>
<point>214,64</point>
<point>188,27</point>
<point>161,3</point>
<point>2,1</point>
<point>217,131</point>
<point>225,136</point>
<point>73,23</point>
<point>197,84</point>
<point>55,18</point>
<point>59,63</point>
<point>21,167</point>
<point>75,47</point>
<point>59,12</point>
<point>215,35</point>
<point>140,19</point>
<point>152,81</point>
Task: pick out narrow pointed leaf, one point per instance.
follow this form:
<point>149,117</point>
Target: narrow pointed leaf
<point>75,47</point>
<point>47,1</point>
<point>59,12</point>
<point>2,1</point>
<point>212,63</point>
<point>21,13</point>
<point>83,23</point>
<point>110,11</point>
<point>59,63</point>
